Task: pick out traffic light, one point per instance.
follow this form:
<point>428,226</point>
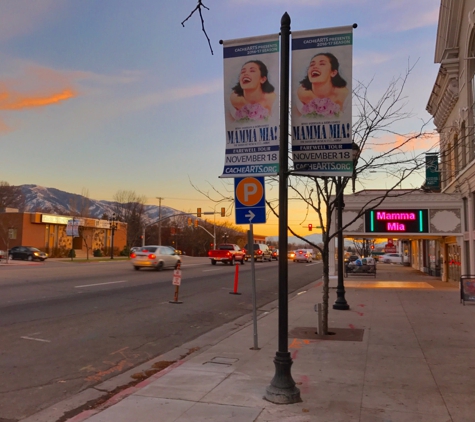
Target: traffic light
<point>310,227</point>
<point>223,212</point>
<point>196,223</point>
<point>198,212</point>
<point>189,221</point>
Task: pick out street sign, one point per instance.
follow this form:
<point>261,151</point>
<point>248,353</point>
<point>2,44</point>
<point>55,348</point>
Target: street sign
<point>176,278</point>
<point>250,201</point>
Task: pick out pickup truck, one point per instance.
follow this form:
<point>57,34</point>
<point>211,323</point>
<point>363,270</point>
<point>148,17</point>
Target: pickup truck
<point>227,253</point>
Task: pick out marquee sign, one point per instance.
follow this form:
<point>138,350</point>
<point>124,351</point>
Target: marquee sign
<point>397,221</point>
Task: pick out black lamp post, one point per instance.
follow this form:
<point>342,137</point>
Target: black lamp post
<point>282,389</point>
<point>225,237</point>
<point>340,302</point>
<point>113,227</point>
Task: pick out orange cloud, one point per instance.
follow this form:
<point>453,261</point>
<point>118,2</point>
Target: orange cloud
<point>35,87</point>
<point>18,102</point>
<point>409,142</point>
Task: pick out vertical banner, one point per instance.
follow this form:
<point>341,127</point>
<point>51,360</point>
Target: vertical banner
<point>251,103</point>
<point>432,171</point>
<point>321,85</point>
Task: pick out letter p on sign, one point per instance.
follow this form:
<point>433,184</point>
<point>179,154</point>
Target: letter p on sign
<point>249,191</point>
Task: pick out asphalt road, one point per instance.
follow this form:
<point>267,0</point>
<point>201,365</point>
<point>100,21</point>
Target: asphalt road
<point>66,326</point>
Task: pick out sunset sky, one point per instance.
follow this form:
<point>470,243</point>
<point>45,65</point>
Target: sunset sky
<point>109,95</point>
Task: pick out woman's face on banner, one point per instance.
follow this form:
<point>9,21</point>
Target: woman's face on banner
<point>250,77</point>
<point>320,69</point>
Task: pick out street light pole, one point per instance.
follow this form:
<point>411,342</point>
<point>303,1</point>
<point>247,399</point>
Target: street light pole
<point>282,389</point>
<point>113,227</point>
<point>159,221</point>
<point>340,303</point>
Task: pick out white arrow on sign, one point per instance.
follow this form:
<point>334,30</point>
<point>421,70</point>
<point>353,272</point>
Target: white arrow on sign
<point>250,215</point>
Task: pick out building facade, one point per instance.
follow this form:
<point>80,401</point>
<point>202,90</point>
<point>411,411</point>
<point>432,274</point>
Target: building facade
<point>425,226</point>
<point>452,105</point>
<point>51,233</point>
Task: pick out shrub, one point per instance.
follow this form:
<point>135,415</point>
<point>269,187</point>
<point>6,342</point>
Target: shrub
<point>97,252</point>
<point>72,253</point>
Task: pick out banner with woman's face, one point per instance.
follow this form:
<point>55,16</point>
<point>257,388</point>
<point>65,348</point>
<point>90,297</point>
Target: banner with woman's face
<point>251,102</point>
<point>321,101</point>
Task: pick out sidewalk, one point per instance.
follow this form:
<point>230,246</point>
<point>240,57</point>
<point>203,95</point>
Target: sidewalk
<point>403,352</point>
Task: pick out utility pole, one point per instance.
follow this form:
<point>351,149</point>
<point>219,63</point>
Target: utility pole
<point>159,220</point>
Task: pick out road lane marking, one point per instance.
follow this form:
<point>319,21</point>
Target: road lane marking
<point>100,284</point>
<point>35,339</point>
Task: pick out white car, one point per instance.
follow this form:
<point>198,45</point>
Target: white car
<point>303,255</point>
<point>156,257</point>
<point>393,258</point>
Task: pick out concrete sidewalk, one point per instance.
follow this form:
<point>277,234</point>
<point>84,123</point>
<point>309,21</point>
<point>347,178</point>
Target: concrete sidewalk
<point>403,352</point>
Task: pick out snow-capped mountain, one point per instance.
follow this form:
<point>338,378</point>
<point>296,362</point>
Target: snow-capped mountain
<point>55,201</point>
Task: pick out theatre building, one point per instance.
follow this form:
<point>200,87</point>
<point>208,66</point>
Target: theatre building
<point>427,227</point>
<point>452,105</point>
<point>57,234</point>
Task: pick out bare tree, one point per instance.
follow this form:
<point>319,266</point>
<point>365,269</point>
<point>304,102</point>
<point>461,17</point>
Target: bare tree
<point>199,9</point>
<point>79,204</point>
<point>374,118</point>
<point>129,208</point>
<point>11,196</point>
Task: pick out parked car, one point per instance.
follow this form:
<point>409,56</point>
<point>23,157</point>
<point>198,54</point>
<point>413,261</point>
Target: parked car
<point>261,252</point>
<point>27,253</point>
<point>303,255</point>
<point>3,254</point>
<point>393,258</point>
<point>156,257</point>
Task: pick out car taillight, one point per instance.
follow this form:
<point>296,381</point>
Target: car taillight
<point>209,253</point>
<point>228,254</point>
<point>300,252</point>
<point>132,255</point>
<point>152,256</point>
<point>259,252</point>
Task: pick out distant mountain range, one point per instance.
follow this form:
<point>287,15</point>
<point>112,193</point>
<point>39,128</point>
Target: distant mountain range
<point>55,201</point>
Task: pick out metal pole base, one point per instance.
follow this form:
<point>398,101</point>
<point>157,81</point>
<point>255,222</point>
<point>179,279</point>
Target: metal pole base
<point>175,301</point>
<point>282,389</point>
<point>341,306</point>
<point>234,293</point>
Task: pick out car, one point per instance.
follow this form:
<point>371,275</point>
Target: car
<point>28,253</point>
<point>274,252</point>
<point>156,257</point>
<point>261,252</point>
<point>393,258</point>
<point>291,255</point>
<point>303,255</point>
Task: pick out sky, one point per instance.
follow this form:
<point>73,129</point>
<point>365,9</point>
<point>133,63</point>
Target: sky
<point>117,95</point>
